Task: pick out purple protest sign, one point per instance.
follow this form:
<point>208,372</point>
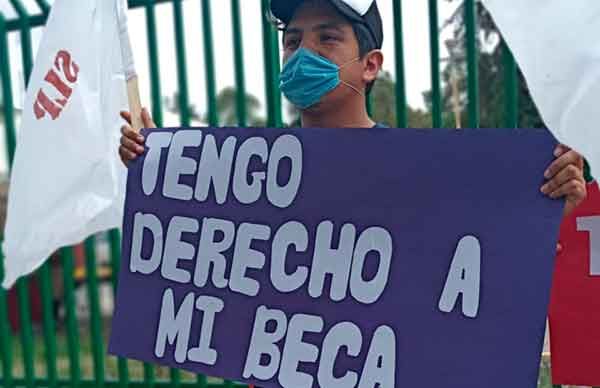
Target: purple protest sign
<point>339,258</point>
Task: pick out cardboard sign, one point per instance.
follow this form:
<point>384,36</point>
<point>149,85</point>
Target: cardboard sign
<point>575,307</point>
<point>339,257</point>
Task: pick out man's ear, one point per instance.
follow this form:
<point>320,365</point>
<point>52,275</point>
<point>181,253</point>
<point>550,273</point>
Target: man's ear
<point>373,63</point>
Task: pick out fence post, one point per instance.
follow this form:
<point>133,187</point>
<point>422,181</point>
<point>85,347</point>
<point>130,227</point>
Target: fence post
<point>472,65</point>
<point>153,63</point>
<point>6,340</point>
<point>238,55</point>
<point>401,114</point>
<point>26,48</point>
<point>209,64</point>
<point>45,280</point>
<point>184,101</point>
<point>26,331</point>
<point>71,317</point>
<point>44,6</point>
<point>271,59</point>
<point>95,317</point>
<point>511,90</point>
<point>115,259</point>
<point>434,43</point>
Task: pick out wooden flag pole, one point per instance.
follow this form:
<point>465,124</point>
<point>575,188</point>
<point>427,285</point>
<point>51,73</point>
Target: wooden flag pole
<point>133,90</point>
<point>135,103</point>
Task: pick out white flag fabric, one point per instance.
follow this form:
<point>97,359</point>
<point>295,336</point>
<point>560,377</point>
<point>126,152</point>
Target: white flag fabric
<point>67,182</point>
<point>555,43</point>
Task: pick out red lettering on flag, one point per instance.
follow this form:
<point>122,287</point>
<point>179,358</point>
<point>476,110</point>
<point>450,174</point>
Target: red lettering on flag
<point>62,79</point>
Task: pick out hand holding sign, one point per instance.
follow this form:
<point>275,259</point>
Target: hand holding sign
<point>566,179</point>
<point>132,142</point>
<point>291,258</point>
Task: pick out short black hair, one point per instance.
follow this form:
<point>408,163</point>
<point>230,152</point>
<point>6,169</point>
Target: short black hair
<point>365,43</point>
<point>365,46</point>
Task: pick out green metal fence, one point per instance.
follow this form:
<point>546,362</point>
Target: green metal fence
<point>72,352</point>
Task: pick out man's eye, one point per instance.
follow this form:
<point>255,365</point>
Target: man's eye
<point>328,38</point>
<point>291,43</point>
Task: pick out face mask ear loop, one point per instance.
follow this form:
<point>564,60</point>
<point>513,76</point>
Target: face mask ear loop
<point>352,87</point>
<point>348,84</point>
<point>350,62</point>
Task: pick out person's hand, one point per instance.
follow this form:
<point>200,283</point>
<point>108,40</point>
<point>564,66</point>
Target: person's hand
<point>132,142</point>
<point>565,178</point>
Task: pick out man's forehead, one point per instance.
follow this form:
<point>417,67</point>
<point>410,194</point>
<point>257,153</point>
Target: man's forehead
<point>312,13</point>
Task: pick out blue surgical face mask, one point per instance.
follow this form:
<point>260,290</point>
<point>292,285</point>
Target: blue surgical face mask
<point>307,77</point>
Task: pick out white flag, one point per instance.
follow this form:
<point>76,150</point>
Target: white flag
<point>67,182</point>
<point>555,43</point>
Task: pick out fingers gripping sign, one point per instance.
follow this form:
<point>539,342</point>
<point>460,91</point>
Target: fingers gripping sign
<point>565,178</point>
<point>132,142</point>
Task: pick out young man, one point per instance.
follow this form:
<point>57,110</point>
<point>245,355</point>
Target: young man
<point>332,55</point>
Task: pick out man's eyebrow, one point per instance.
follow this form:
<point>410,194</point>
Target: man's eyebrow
<point>320,27</point>
<point>292,30</point>
<point>329,26</point>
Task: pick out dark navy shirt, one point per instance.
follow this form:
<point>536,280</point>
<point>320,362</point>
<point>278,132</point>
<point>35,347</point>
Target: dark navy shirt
<point>380,125</point>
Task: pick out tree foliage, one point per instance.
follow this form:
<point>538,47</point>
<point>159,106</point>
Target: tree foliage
<point>383,101</point>
<point>492,93</point>
<point>227,108</point>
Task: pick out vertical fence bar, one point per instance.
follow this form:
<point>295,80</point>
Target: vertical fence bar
<point>46,292</point>
<point>44,6</point>
<point>9,119</point>
<point>434,44</point>
<point>48,324</point>
<point>5,334</point>
<point>211,87</point>
<point>44,277</point>
<point>26,47</point>
<point>511,90</point>
<point>201,381</point>
<point>175,376</point>
<point>155,89</point>
<point>587,172</point>
<point>209,63</point>
<point>238,55</point>
<point>115,258</point>
<point>472,63</point>
<point>26,331</point>
<point>6,340</point>
<point>71,317</point>
<point>271,59</point>
<point>149,375</point>
<point>276,66</point>
<point>401,114</point>
<point>369,104</point>
<point>266,33</point>
<point>153,65</point>
<point>95,317</point>
<point>184,104</point>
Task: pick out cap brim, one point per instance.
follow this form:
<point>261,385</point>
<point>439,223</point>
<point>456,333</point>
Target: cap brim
<point>284,9</point>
